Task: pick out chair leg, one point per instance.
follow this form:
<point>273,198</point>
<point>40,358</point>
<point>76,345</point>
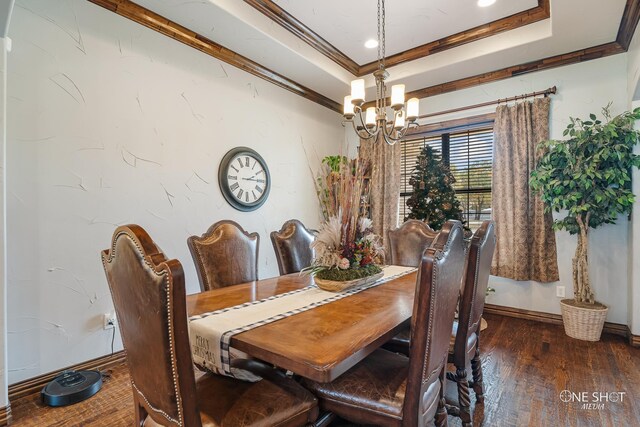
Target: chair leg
<point>464,402</point>
<point>441,413</point>
<point>140,414</point>
<point>476,372</point>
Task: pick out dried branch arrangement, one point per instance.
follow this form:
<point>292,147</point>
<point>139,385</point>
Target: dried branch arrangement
<point>345,247</point>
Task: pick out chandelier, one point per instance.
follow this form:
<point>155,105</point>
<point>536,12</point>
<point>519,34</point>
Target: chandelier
<point>374,121</point>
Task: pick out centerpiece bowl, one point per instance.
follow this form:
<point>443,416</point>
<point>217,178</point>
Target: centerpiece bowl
<point>343,285</point>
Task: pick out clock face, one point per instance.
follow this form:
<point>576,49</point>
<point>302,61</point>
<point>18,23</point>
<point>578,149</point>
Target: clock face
<point>244,179</point>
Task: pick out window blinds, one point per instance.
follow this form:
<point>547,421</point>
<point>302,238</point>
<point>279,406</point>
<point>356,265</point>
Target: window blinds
<point>469,154</point>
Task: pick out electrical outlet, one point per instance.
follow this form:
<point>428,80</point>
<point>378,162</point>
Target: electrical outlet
<point>560,291</point>
<point>109,320</point>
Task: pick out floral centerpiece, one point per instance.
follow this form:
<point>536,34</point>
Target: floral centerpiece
<point>347,251</point>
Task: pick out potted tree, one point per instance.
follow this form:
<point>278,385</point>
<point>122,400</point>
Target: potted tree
<point>588,179</point>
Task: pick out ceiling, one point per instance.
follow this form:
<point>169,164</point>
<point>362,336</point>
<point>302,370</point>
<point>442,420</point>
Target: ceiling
<point>409,23</point>
<point>573,25</point>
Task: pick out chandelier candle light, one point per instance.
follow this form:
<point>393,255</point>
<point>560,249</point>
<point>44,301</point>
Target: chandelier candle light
<point>375,119</point>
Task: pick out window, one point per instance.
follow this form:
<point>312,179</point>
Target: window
<point>410,151</point>
<point>469,154</point>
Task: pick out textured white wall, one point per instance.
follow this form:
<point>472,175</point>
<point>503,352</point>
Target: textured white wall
<point>633,83</point>
<point>4,400</point>
<point>633,301</point>
<point>633,68</point>
<point>582,89</point>
<point>111,123</point>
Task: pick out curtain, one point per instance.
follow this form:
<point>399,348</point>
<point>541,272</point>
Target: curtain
<point>526,244</point>
<point>385,183</point>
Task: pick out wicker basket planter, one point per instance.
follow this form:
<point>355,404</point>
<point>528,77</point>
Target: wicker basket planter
<point>583,323</point>
<point>335,286</point>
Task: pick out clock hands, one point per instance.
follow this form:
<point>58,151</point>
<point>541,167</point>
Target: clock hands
<point>253,178</point>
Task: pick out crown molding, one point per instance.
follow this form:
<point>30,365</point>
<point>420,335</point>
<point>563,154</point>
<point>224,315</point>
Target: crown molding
<point>628,23</point>
<point>304,33</point>
<point>517,70</point>
<point>152,20</point>
<point>136,13</point>
<point>538,13</point>
<point>575,57</point>
<point>284,19</point>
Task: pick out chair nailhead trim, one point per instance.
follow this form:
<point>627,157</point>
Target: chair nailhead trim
<point>168,288</point>
<point>154,409</point>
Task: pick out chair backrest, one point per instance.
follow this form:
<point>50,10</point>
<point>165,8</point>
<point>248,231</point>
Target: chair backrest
<point>292,245</point>
<point>225,255</point>
<point>475,281</point>
<point>149,299</point>
<point>434,307</point>
<point>407,243</point>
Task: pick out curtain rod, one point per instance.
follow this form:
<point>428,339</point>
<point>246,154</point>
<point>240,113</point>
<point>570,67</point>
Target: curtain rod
<point>545,93</point>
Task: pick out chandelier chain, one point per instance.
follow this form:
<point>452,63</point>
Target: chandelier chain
<point>381,35</point>
<point>384,41</point>
<point>390,129</point>
<point>379,39</point>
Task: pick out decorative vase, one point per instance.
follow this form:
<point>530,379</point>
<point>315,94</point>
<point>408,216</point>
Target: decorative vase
<point>583,321</point>
<point>339,286</point>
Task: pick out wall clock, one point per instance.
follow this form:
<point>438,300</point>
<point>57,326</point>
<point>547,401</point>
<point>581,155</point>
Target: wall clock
<point>244,179</point>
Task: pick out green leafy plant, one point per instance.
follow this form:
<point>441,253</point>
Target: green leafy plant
<point>328,187</point>
<point>588,179</point>
<point>334,162</point>
<point>338,275</point>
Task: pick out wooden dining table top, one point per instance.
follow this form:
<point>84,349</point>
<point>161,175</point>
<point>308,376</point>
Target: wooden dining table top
<point>324,342</point>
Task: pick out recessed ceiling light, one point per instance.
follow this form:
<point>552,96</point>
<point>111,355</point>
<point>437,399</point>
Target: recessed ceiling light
<point>485,3</point>
<point>371,44</point>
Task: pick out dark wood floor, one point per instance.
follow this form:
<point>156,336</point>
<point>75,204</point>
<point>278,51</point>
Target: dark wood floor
<point>526,366</point>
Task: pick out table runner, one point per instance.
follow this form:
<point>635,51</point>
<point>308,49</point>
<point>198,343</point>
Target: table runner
<point>210,333</point>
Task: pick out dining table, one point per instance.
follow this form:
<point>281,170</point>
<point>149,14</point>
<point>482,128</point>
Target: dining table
<point>323,342</point>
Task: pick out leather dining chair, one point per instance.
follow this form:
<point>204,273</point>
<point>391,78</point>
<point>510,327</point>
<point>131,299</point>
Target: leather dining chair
<point>148,293</point>
<point>225,255</point>
<point>466,347</point>
<point>292,247</point>
<point>389,389</point>
<point>406,245</point>
<point>407,242</point>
